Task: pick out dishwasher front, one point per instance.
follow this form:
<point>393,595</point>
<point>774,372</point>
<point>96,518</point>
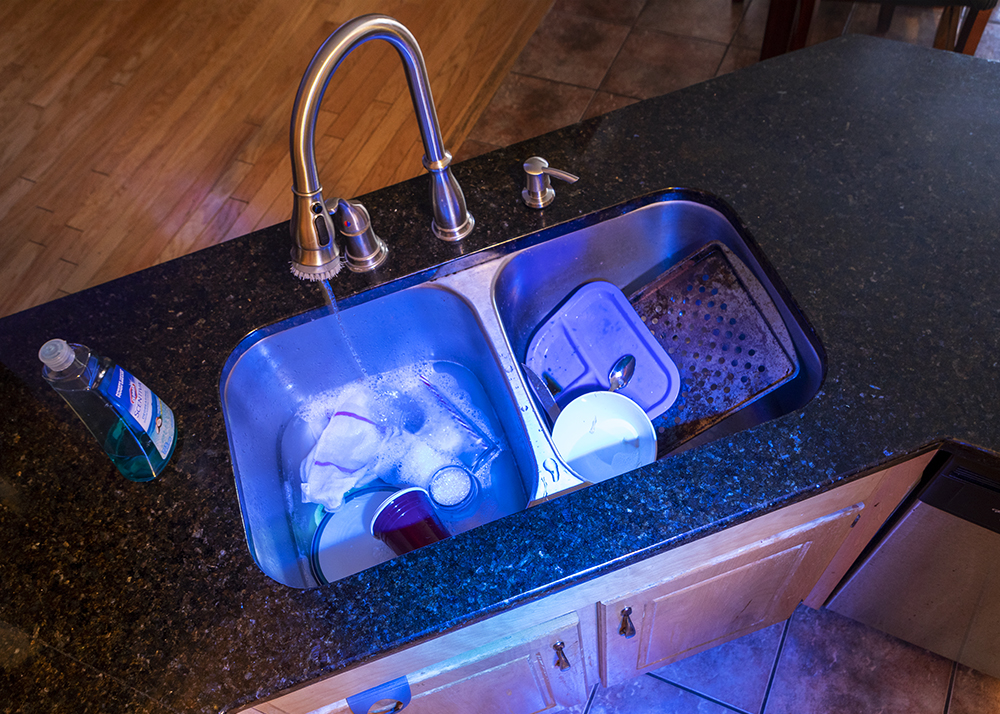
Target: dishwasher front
<point>931,577</point>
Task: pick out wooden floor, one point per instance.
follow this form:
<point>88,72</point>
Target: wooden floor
<point>133,132</point>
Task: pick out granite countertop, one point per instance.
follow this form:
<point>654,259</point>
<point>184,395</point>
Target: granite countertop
<point>866,170</point>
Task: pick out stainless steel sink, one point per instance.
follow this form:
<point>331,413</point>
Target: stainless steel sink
<point>478,320</point>
<point>633,249</point>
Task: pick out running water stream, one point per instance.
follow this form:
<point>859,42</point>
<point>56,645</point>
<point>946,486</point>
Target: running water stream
<point>331,301</point>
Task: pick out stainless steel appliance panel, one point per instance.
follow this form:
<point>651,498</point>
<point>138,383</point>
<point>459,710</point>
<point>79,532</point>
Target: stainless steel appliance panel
<point>931,579</point>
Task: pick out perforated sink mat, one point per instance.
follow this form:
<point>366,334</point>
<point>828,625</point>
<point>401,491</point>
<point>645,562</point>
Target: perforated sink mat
<point>725,335</point>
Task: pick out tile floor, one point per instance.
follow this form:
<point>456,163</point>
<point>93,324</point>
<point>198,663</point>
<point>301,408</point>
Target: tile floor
<point>816,662</point>
<point>589,57</point>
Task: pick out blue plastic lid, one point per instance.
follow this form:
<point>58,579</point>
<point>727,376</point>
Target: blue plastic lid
<point>576,347</point>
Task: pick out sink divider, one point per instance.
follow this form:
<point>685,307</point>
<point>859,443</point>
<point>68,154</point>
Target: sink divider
<point>475,286</point>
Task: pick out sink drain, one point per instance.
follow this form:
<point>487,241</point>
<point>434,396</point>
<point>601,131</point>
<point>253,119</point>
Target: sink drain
<point>721,330</point>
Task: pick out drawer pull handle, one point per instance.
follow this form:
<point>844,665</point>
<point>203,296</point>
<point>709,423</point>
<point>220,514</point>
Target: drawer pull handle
<point>561,662</point>
<point>626,629</point>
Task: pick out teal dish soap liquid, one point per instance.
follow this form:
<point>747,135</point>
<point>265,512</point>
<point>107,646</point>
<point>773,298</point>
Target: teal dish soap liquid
<point>135,428</point>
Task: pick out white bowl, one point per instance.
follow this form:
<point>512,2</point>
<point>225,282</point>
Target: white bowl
<point>603,434</point>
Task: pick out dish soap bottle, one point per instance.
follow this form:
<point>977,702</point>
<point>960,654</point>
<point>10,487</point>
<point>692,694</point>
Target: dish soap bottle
<point>136,429</point>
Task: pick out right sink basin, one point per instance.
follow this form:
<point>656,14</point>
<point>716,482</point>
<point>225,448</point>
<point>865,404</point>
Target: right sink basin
<point>744,351</point>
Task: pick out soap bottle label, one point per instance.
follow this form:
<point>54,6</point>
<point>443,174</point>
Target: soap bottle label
<point>142,409</point>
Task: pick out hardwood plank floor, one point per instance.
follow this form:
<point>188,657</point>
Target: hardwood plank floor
<point>135,132</point>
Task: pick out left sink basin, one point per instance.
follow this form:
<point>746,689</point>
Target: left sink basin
<point>275,378</point>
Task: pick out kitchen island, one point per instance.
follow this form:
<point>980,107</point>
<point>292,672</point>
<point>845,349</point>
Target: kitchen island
<point>867,172</point>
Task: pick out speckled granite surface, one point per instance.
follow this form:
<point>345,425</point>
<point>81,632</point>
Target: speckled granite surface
<point>866,170</point>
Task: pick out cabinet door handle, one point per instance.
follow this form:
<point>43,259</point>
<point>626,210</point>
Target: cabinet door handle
<point>626,629</point>
<point>561,662</point>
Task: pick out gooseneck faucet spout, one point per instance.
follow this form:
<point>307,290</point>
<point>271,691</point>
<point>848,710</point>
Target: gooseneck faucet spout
<point>315,255</point>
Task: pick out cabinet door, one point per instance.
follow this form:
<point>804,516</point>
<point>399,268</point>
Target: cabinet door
<point>539,669</point>
<point>733,594</point>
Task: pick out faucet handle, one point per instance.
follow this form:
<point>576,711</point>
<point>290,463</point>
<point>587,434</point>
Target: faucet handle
<point>363,250</point>
<point>538,191</point>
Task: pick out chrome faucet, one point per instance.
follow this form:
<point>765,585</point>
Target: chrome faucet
<point>315,255</point>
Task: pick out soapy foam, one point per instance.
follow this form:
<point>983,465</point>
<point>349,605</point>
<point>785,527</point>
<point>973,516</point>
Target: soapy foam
<point>427,417</point>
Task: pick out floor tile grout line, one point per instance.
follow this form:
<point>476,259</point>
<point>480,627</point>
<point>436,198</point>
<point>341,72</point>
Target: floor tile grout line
<point>575,86</point>
<point>590,103</point>
<point>593,92</point>
<point>698,694</point>
<point>600,84</point>
<point>722,60</point>
<point>774,666</point>
<point>732,39</point>
<point>594,18</point>
<point>951,688</point>
<point>590,699</point>
<point>677,35</point>
<point>729,45</point>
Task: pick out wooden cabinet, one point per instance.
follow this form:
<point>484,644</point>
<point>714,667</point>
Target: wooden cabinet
<point>536,670</point>
<point>729,596</point>
<point>539,669</point>
<point>682,601</point>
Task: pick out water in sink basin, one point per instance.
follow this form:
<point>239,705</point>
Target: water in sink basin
<point>276,381</point>
<point>430,415</point>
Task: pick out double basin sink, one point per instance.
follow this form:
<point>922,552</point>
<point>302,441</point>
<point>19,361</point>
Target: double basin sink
<point>479,321</point>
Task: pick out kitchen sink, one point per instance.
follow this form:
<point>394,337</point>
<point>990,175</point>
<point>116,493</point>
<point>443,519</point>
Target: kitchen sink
<point>461,339</point>
<point>632,251</point>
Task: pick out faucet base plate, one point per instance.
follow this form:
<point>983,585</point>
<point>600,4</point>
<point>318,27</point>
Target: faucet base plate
<point>369,262</point>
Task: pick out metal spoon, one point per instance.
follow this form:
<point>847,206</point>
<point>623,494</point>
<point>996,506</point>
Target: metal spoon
<point>621,372</point>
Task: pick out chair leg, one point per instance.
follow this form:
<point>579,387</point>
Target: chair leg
<point>778,30</point>
<point>972,31</point>
<point>944,38</point>
<point>801,32</point>
<point>884,18</point>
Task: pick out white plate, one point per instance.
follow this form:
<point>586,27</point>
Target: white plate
<point>343,544</point>
<point>604,434</point>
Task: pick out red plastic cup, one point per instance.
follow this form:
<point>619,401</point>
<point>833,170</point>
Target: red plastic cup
<point>407,520</point>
